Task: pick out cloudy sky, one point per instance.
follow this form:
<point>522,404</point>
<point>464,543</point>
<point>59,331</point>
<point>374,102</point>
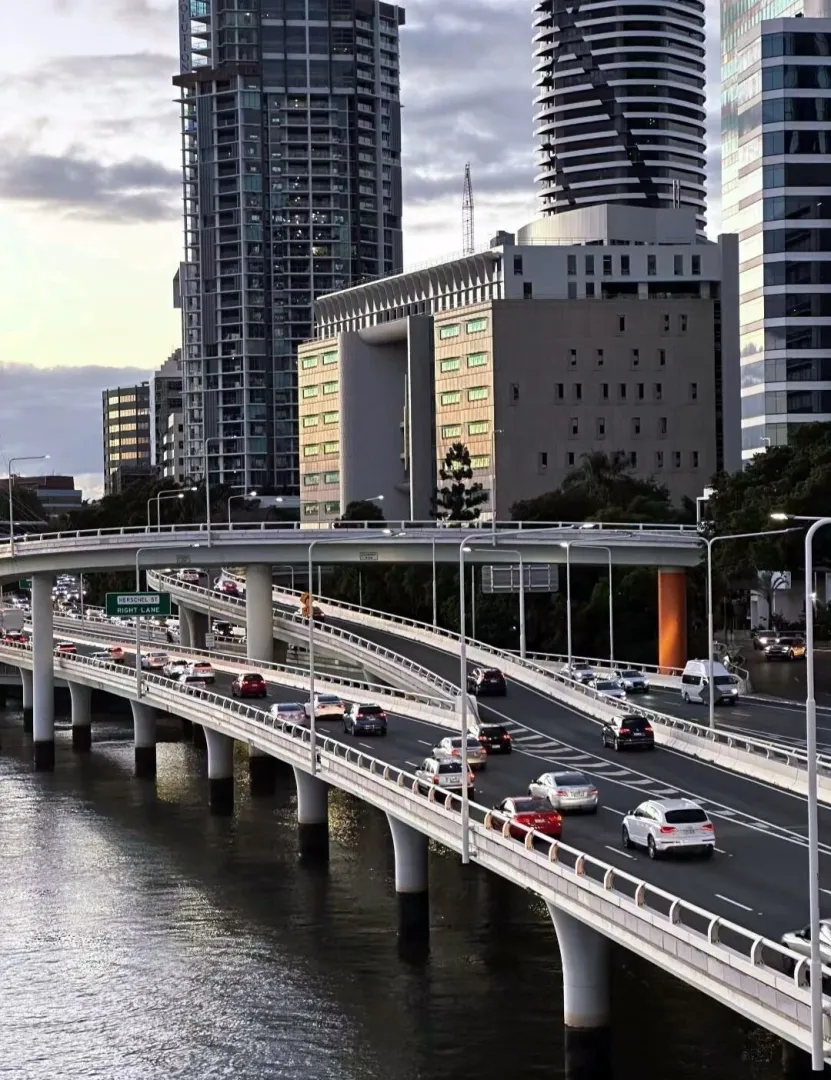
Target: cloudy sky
<point>89,188</point>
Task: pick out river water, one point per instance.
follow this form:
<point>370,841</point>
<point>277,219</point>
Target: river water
<point>143,939</point>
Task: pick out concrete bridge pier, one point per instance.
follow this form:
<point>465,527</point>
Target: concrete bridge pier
<point>81,697</point>
<point>312,815</point>
<point>220,771</point>
<point>262,772</point>
<point>585,958</point>
<point>198,735</point>
<point>43,704</point>
<point>144,728</point>
<point>410,879</point>
<point>259,614</point>
<point>184,628</point>
<point>197,623</point>
<point>27,685</point>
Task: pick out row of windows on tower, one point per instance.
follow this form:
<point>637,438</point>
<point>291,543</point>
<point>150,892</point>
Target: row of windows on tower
<point>680,266</point>
<point>662,459</point>
<point>622,392</point>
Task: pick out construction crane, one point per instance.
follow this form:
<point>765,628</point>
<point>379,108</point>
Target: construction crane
<point>467,213</point>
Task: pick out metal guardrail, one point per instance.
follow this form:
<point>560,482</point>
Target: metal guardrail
<point>744,970</point>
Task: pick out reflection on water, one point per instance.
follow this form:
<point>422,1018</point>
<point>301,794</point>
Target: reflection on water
<point>142,938</point>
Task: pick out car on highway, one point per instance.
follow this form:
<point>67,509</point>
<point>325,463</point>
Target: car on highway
<point>102,655</point>
<point>445,773</point>
<point>608,688</point>
<point>203,669</point>
<point>326,707</point>
<point>531,812</point>
<point>317,614</point>
<point>566,791</point>
<point>16,637</point>
<point>251,684</point>
<point>154,661</point>
<point>482,681</point>
<point>223,629</point>
<point>189,679</point>
<point>451,746</point>
<point>228,588</point>
<point>695,682</point>
<point>292,711</point>
<point>579,672</point>
<point>634,681</point>
<point>495,738</point>
<point>622,731</point>
<point>763,638</point>
<point>662,825</point>
<point>365,719</point>
<point>786,647</point>
<point>66,647</point>
<point>800,940</point>
<point>117,654</point>
<point>189,577</point>
<point>175,667</point>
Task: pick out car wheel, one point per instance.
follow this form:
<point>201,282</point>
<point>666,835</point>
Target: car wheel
<point>604,739</point>
<point>685,697</point>
<point>708,852</point>
<point>617,745</point>
<point>627,841</point>
<point>651,848</point>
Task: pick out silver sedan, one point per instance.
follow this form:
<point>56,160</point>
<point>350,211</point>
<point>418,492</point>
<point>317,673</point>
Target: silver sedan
<point>477,755</point>
<point>566,791</point>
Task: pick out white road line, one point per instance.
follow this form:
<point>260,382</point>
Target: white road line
<point>612,810</point>
<point>735,903</point>
<point>721,851</point>
<point>639,782</point>
<point>665,792</point>
<point>826,891</point>
<point>617,851</point>
<point>365,744</point>
<point>617,772</point>
<point>412,764</point>
<point>424,742</point>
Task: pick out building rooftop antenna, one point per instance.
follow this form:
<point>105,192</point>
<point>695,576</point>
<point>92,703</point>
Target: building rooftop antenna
<point>467,213</point>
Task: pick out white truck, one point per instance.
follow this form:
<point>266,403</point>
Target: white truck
<point>11,620</point>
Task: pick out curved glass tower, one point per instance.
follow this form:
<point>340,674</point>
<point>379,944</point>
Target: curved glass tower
<point>620,103</point>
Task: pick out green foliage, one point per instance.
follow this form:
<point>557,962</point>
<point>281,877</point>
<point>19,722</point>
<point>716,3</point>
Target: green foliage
<point>363,510</point>
<point>458,499</point>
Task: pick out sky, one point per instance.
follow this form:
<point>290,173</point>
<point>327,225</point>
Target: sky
<point>90,226</point>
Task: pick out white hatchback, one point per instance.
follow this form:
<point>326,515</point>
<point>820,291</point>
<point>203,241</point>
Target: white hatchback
<point>662,825</point>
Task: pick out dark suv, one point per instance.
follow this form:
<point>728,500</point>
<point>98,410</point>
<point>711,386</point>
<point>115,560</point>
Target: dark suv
<point>495,738</point>
<point>483,681</point>
<point>621,731</point>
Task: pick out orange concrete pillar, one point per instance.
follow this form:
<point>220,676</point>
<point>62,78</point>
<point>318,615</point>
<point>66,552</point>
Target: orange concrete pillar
<point>672,619</point>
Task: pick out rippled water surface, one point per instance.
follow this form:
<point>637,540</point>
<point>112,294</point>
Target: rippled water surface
<point>141,938</point>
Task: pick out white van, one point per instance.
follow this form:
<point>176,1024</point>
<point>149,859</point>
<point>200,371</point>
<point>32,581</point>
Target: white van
<point>695,679</point>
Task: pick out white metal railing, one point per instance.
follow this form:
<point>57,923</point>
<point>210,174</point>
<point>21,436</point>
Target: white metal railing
<point>754,975</point>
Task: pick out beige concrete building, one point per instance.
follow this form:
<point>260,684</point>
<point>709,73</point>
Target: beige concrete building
<point>532,354</point>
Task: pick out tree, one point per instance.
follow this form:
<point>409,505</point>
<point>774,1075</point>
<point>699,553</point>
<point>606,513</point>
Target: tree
<point>363,510</point>
<point>459,499</point>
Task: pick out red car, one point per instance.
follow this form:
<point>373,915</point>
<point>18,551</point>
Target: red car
<point>250,685</point>
<point>66,647</point>
<point>16,637</point>
<point>229,588</point>
<point>532,812</point>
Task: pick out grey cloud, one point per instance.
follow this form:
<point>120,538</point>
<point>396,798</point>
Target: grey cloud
<point>136,190</point>
<point>71,73</point>
<point>65,404</point>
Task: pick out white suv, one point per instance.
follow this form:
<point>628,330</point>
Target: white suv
<point>445,773</point>
<point>662,825</point>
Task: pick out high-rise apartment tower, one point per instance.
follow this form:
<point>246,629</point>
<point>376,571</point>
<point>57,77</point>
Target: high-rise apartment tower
<point>620,104</point>
<point>292,188</point>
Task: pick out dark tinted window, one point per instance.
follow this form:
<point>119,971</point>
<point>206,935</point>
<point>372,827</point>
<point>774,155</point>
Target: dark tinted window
<point>693,816</point>
<point>493,731</point>
<point>636,724</point>
<point>371,710</point>
<point>631,673</point>
<point>723,680</point>
<point>525,806</point>
<point>570,779</point>
<point>492,673</point>
<point>450,767</point>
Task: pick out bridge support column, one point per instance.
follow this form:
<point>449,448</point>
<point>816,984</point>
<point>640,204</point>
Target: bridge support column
<point>43,645</point>
<point>144,728</point>
<point>81,697</point>
<point>259,614</point>
<point>312,815</point>
<point>187,728</point>
<point>220,771</point>
<point>184,628</point>
<point>197,627</point>
<point>672,619</point>
<point>262,772</point>
<point>27,686</point>
<point>585,958</point>
<point>410,879</point>
<point>198,736</point>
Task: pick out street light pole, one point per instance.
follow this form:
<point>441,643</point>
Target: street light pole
<point>494,433</point>
<point>157,498</point>
<point>567,545</point>
<point>463,707</point>
<point>435,595</point>
<point>210,439</point>
<point>250,495</point>
<point>36,457</point>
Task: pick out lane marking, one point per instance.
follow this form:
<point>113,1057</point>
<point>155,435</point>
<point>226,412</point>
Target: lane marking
<point>412,764</point>
<point>365,744</point>
<point>735,903</point>
<point>721,851</point>
<point>424,742</point>
<point>617,772</point>
<point>617,851</point>
<point>826,891</point>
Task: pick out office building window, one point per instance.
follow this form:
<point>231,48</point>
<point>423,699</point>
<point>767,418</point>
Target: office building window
<point>666,323</point>
<point>693,391</point>
<point>662,425</point>
<point>310,391</point>
<point>330,357</point>
<point>621,323</point>
<point>633,459</point>
<point>569,458</point>
<point>514,391</point>
<point>590,265</point>
<point>518,265</point>
<point>651,265</point>
<point>636,357</point>
<point>311,421</point>
<point>330,388</point>
<point>578,391</point>
<point>331,478</point>
<point>542,461</point>
<point>604,391</point>
<point>560,391</point>
<point>682,323</point>
<point>659,391</point>
<point>451,364</point>
<point>311,479</point>
<point>641,391</point>
<point>636,425</point>
<point>662,358</point>
<point>607,266</point>
<point>571,290</point>
<point>478,427</point>
<point>696,265</point>
<point>311,451</point>
<point>478,359</point>
<point>451,431</point>
<point>600,427</point>
<point>572,358</point>
<point>309,362</point>
<point>624,266</point>
<point>678,265</point>
<point>694,458</point>
<point>482,461</point>
<point>331,417</point>
<point>574,426</point>
<point>599,357</point>
<point>589,288</point>
<point>448,332</point>
<point>676,459</point>
<point>311,509</point>
<point>332,507</point>
<point>330,448</point>
<point>527,292</point>
<point>452,397</point>
<point>476,326</point>
<point>621,391</point>
<point>477,393</point>
<point>659,459</point>
<point>572,265</point>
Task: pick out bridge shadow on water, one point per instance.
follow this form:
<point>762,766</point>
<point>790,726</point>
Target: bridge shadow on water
<point>145,938</point>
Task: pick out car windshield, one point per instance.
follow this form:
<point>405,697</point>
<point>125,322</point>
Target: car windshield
<point>692,815</point>
<point>526,806</point>
<point>723,680</point>
<point>450,767</point>
<point>328,699</point>
<point>570,779</point>
<point>608,684</point>
<point>631,673</point>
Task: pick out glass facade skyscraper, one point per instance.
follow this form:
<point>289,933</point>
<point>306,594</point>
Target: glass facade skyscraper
<point>777,197</point>
<point>620,104</point>
<point>291,157</point>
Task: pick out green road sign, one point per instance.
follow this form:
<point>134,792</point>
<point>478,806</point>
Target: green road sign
<point>137,603</point>
<point>25,583</point>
